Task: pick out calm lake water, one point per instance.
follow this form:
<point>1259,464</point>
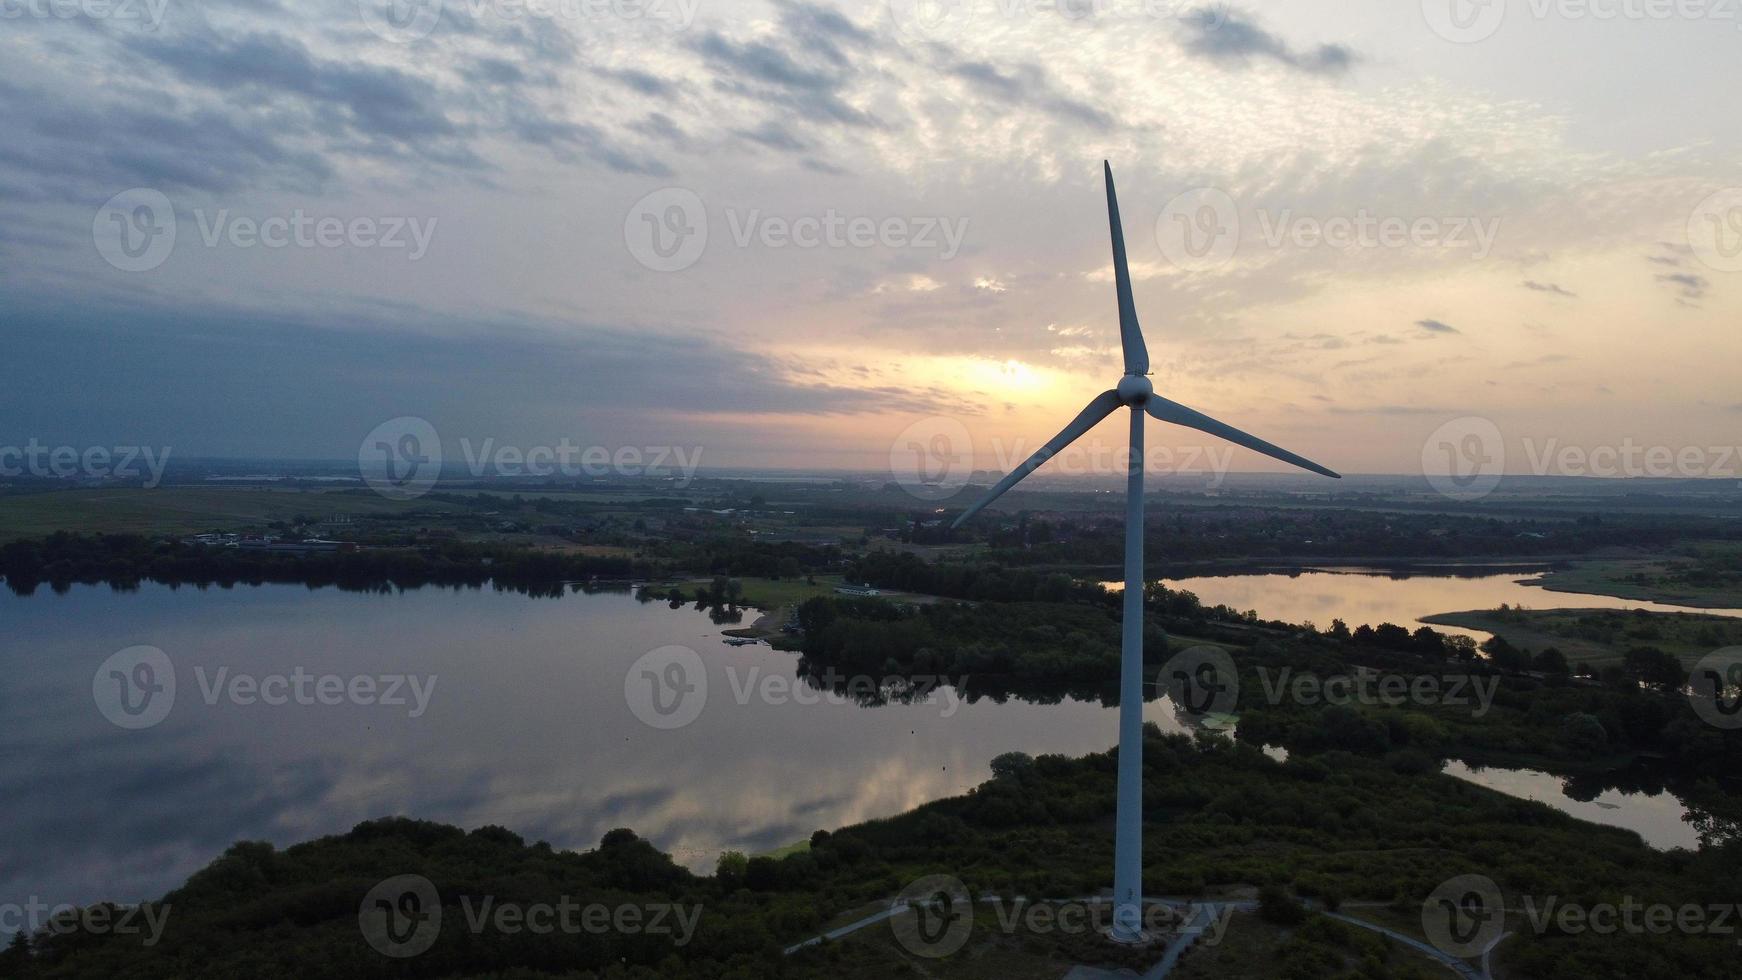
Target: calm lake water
<point>1363,596</point>
<point>527,724</point>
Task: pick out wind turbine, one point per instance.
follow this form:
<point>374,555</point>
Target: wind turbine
<point>1135,392</point>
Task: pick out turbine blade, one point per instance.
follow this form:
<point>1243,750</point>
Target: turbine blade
<point>1100,408</point>
<point>1130,334</point>
<point>1172,411</point>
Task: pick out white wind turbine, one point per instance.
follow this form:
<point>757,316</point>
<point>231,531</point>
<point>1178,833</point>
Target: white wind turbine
<point>1133,391</point>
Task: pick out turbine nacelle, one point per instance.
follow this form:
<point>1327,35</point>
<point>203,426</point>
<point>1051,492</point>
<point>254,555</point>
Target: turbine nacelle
<point>1134,390</point>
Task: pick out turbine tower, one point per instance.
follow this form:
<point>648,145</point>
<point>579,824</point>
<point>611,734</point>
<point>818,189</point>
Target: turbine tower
<point>1135,392</point>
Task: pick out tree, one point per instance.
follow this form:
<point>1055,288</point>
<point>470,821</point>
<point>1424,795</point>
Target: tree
<point>1505,656</point>
<point>1276,906</point>
<point>1552,661</point>
<point>1011,764</point>
<point>731,869</point>
<point>1654,668</point>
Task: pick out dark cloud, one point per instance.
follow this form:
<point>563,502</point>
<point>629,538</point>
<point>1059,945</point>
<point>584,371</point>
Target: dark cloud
<point>1031,86</point>
<point>569,140</point>
<point>760,71</point>
<point>371,101</point>
<point>1690,287</point>
<point>1548,287</point>
<point>659,126</point>
<point>1436,326</point>
<point>774,136</point>
<point>494,71</point>
<point>330,381</point>
<point>1225,36</point>
<point>643,82</point>
<point>372,110</point>
<point>67,151</point>
<point>824,30</point>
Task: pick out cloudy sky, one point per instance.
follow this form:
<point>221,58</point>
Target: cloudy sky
<point>790,232</point>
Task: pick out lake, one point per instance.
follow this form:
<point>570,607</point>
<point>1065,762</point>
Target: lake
<point>508,710</point>
<point>527,725</point>
<point>1359,596</point>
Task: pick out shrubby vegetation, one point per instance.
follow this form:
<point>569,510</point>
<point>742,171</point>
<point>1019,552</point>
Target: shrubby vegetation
<point>124,561</point>
<point>1335,827</point>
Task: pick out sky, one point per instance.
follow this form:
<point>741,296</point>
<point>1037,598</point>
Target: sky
<point>801,235</point>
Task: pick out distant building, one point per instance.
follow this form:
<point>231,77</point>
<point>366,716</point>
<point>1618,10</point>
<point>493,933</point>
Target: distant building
<point>857,591</point>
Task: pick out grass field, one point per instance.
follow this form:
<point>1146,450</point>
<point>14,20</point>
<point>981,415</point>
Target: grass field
<point>1602,636</point>
<point>1703,575</point>
<point>769,593</point>
<point>186,510</point>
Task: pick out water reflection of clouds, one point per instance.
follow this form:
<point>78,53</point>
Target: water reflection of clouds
<point>1661,818</point>
<point>528,729</point>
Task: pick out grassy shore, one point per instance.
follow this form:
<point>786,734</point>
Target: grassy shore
<point>1602,636</point>
<point>1702,575</point>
